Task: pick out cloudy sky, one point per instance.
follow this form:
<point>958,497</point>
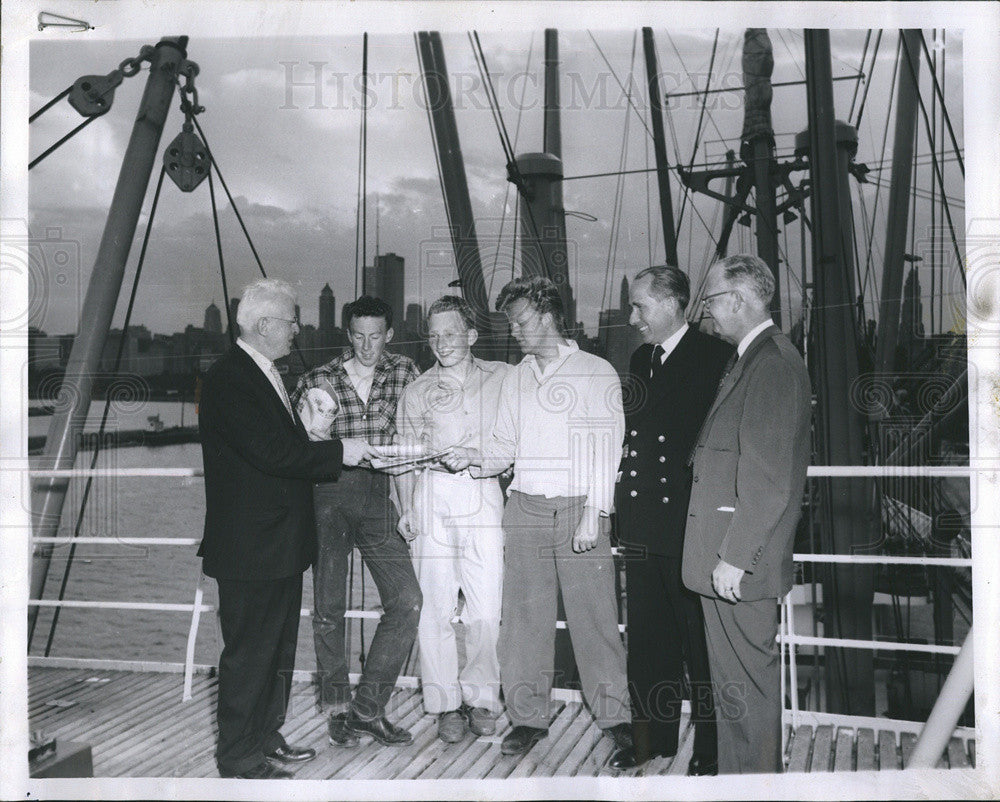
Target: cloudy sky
<point>283,119</point>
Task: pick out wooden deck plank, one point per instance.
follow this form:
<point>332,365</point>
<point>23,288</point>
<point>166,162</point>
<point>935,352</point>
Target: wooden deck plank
<point>888,753</point>
<point>843,753</point>
<point>866,750</point>
<point>505,764</point>
<point>82,692</point>
<point>577,720</point>
<point>168,739</point>
<point>596,762</point>
<point>798,759</point>
<point>822,749</point>
<point>537,761</point>
<point>395,759</point>
<point>576,762</point>
<point>407,716</point>
<point>907,740</point>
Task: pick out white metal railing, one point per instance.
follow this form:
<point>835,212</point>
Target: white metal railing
<point>788,639</point>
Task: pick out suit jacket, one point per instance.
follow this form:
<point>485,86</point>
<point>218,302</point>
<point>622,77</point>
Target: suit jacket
<point>749,466</point>
<point>259,470</point>
<point>651,497</point>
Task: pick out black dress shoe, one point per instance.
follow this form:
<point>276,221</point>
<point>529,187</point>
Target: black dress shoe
<point>701,766</point>
<point>380,729</point>
<point>291,754</point>
<point>624,759</point>
<point>520,739</point>
<point>262,771</point>
<point>340,733</point>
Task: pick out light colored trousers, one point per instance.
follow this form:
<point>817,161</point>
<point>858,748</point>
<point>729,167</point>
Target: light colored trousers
<point>460,546</point>
<point>539,563</point>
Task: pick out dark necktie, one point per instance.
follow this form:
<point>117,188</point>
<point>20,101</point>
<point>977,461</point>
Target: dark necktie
<point>656,359</point>
<point>727,370</point>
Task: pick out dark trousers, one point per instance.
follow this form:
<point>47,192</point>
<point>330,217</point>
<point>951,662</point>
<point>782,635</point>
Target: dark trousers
<point>260,625</point>
<point>666,629</point>
<point>356,511</point>
<point>746,673</point>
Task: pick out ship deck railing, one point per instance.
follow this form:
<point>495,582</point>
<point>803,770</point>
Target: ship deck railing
<point>814,740</point>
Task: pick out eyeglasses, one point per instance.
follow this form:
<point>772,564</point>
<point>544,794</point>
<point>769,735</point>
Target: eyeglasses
<point>707,300</point>
<point>283,320</point>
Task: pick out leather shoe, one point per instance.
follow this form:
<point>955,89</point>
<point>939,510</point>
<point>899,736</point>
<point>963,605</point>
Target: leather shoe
<point>291,754</point>
<point>340,734</point>
<point>521,739</point>
<point>701,766</point>
<point>624,759</point>
<point>262,771</point>
<point>380,729</point>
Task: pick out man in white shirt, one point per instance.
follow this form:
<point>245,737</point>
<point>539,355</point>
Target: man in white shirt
<point>560,423</point>
<point>453,523</point>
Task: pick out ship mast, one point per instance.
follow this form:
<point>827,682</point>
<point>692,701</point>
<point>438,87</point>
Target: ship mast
<point>660,147</point>
<point>63,439</point>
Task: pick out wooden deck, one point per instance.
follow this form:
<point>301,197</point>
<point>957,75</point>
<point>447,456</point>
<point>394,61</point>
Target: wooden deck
<point>138,726</point>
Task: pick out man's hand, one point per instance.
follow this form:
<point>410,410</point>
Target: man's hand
<point>587,531</point>
<point>357,451</point>
<point>458,458</point>
<point>407,526</point>
<point>726,580</point>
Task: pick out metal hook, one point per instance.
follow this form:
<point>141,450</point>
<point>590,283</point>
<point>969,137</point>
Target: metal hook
<point>45,21</point>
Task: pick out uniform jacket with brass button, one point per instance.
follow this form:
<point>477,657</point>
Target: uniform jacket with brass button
<point>663,414</point>
<point>749,469</point>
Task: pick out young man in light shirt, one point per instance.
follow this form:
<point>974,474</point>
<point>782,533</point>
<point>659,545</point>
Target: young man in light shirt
<point>453,521</point>
<point>560,423</point>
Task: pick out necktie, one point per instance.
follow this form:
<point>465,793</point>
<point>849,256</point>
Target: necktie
<point>727,370</point>
<point>281,390</point>
<point>656,359</point>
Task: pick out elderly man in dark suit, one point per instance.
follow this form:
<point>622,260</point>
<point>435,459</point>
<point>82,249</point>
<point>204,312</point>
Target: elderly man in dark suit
<point>749,466</point>
<point>260,535</point>
<point>676,373</point>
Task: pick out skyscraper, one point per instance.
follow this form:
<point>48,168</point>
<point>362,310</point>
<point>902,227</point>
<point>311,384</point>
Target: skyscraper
<point>327,310</point>
<point>213,319</point>
<point>384,280</point>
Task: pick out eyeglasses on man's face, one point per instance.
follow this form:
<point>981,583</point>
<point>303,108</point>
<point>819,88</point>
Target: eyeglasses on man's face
<point>707,301</point>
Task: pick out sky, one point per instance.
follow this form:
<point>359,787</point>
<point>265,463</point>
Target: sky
<point>282,116</point>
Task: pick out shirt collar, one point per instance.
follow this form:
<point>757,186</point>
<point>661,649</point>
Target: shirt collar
<point>670,343</point>
<point>750,335</point>
<point>563,351</point>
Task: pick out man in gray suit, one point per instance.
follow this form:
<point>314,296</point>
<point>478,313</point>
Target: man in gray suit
<point>749,468</point>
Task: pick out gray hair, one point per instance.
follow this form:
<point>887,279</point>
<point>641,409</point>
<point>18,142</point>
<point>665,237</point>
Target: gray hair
<point>667,281</point>
<point>260,299</point>
<point>751,273</point>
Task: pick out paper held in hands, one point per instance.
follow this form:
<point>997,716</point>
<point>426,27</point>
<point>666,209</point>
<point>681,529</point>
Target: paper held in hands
<point>404,456</point>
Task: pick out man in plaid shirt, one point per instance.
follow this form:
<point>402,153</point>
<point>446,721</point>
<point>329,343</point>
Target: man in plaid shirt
<point>356,511</point>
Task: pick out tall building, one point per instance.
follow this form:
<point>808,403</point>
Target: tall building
<point>213,319</point>
<point>384,280</point>
<point>327,310</point>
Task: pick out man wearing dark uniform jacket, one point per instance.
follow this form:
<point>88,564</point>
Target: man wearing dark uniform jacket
<point>260,535</point>
<point>675,374</point>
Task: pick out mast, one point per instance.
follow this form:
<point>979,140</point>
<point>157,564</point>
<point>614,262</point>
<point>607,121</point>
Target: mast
<point>62,442</point>
<point>552,130</point>
<point>454,184</point>
<point>899,200</point>
<point>757,149</point>
<point>660,147</point>
<point>846,505</point>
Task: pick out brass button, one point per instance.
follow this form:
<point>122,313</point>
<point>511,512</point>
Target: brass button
<point>632,473</point>
<point>665,499</point>
<point>633,433</point>
<point>663,480</point>
<point>663,459</point>
<point>634,493</point>
<point>631,453</point>
<point>661,438</point>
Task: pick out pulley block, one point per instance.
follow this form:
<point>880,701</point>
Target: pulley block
<point>187,160</point>
<point>92,95</point>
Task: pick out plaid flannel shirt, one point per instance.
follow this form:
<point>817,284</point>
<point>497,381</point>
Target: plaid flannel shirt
<point>376,420</point>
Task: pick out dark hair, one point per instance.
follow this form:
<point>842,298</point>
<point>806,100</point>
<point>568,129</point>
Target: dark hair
<point>368,306</point>
<point>667,281</point>
<point>752,273</point>
<point>452,303</point>
<point>541,294</point>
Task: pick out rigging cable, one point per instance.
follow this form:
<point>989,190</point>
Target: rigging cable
<point>861,72</point>
<point>621,86</point>
<point>939,92</point>
<point>868,83</point>
<point>222,264</point>
<point>937,167</point>
<point>104,417</point>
